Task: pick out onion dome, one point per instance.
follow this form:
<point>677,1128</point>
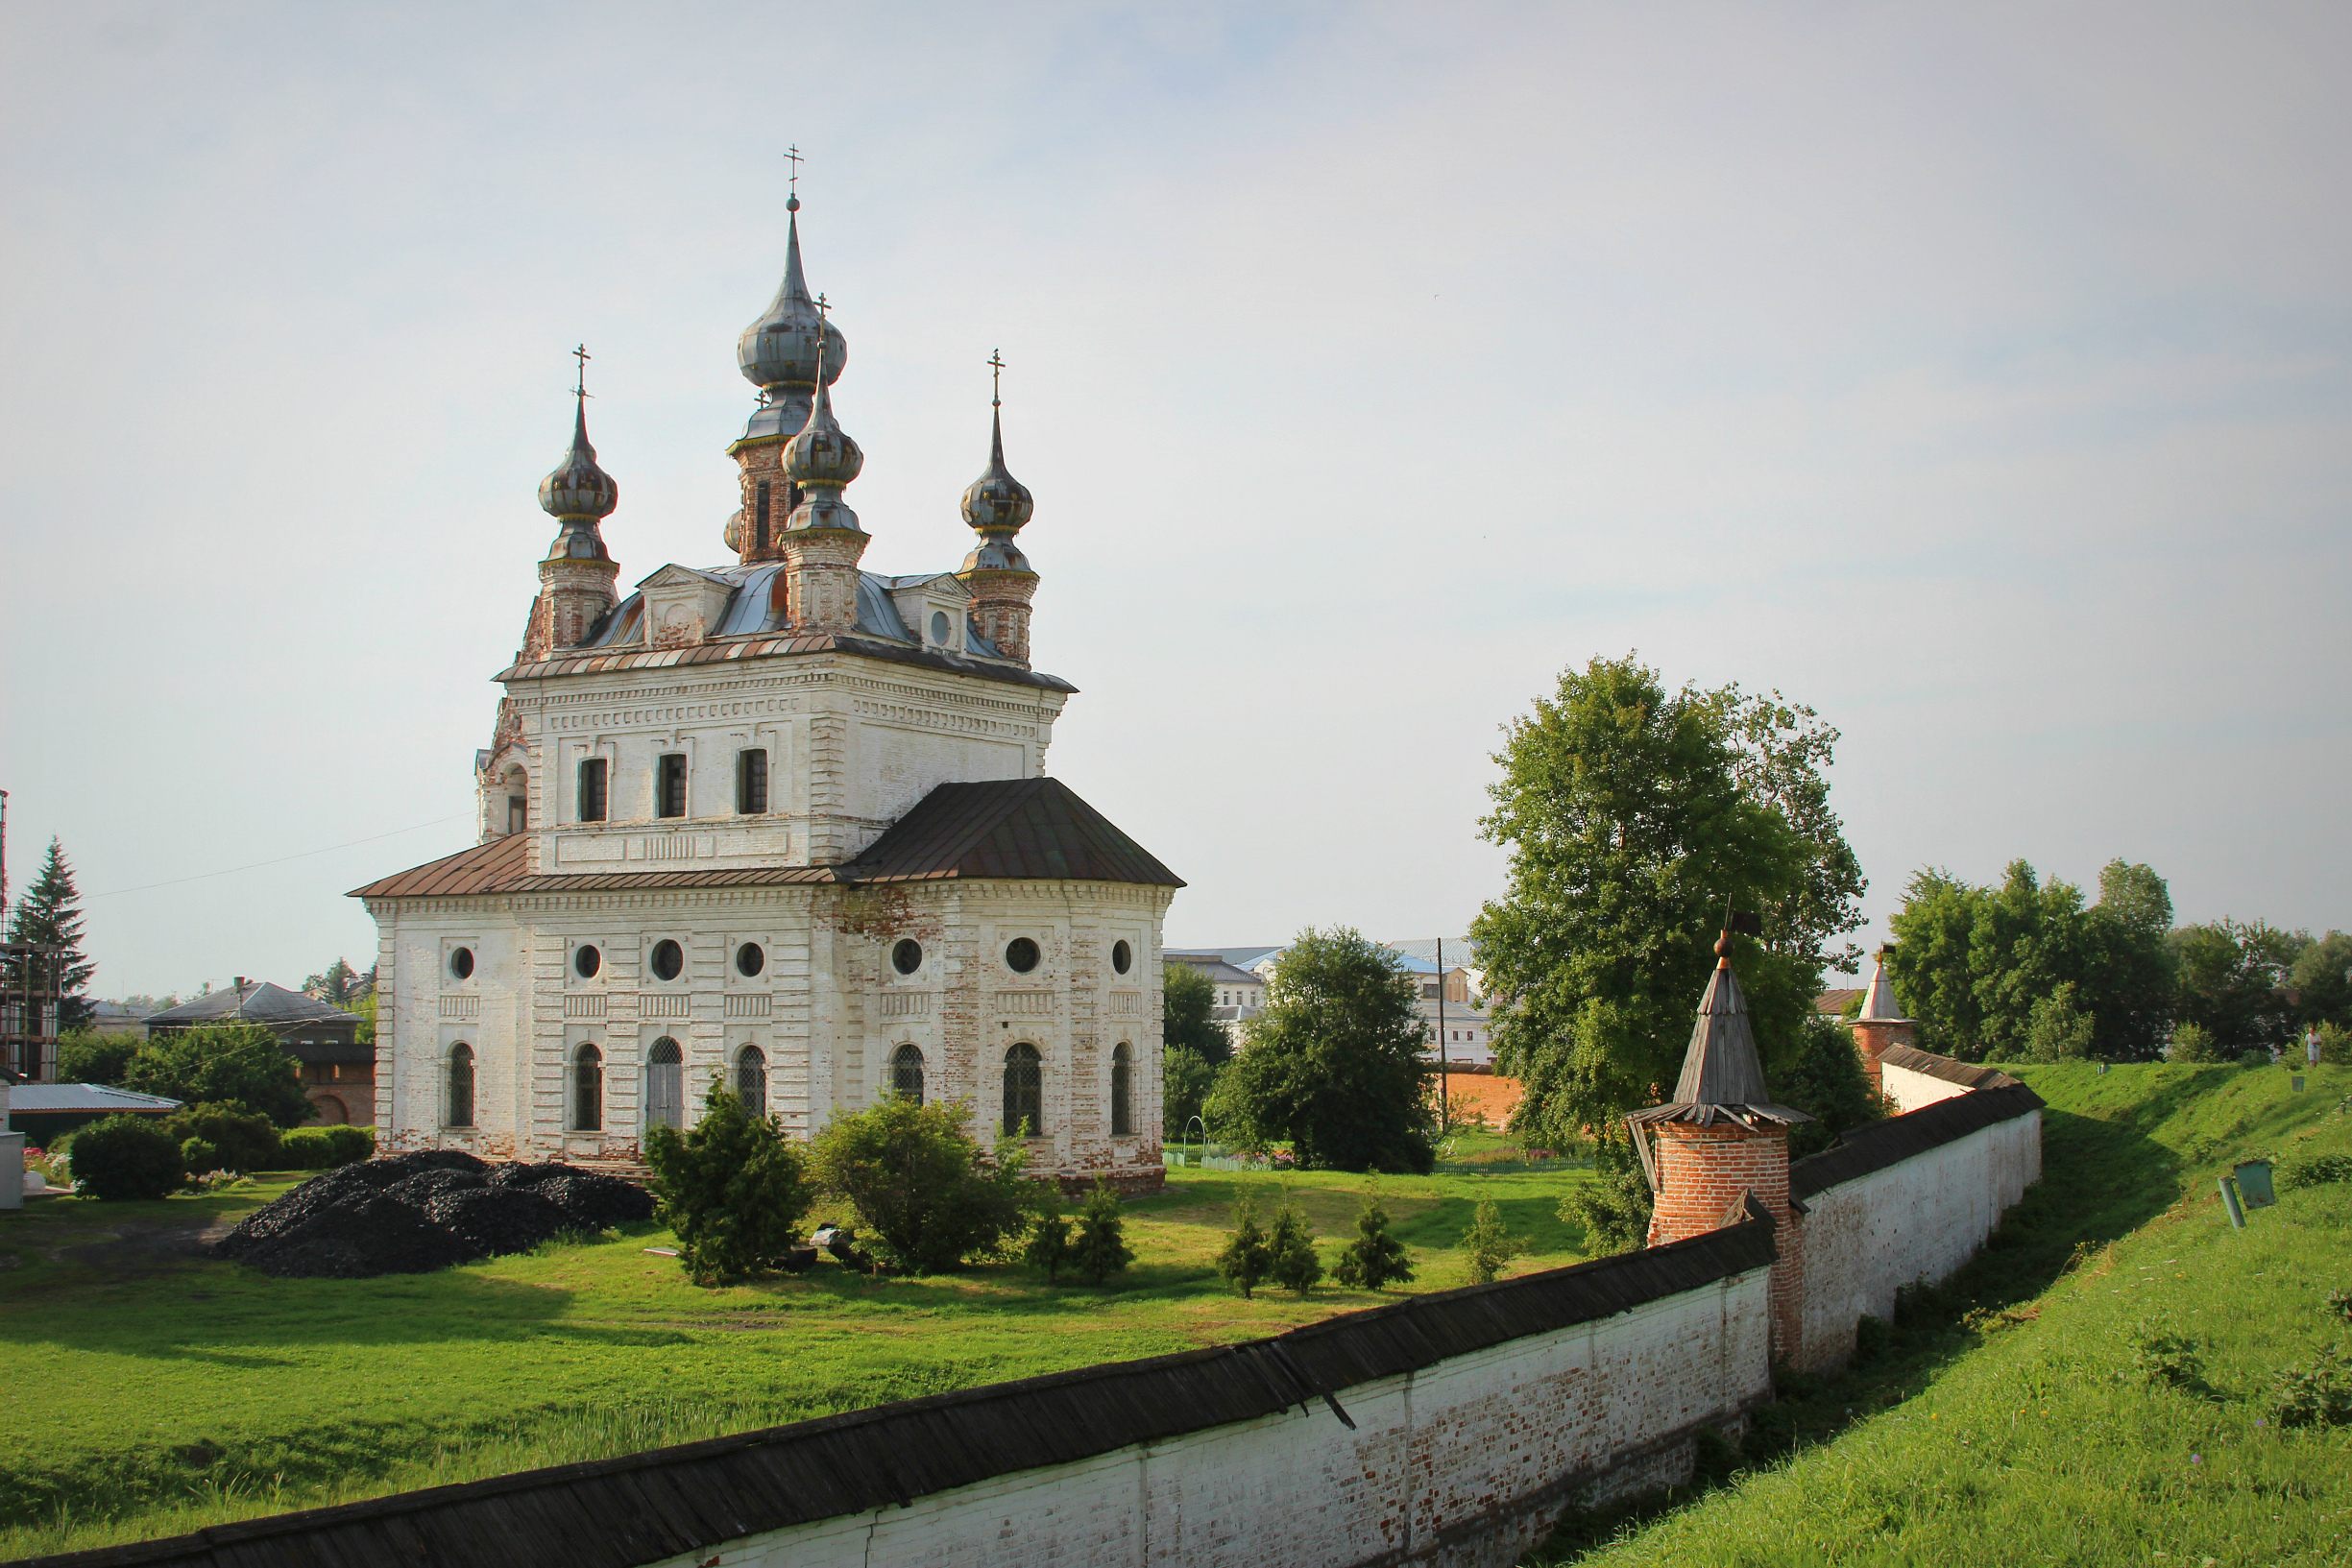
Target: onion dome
<point>996,504</point>
<point>792,344</point>
<point>578,493</point>
<point>821,460</point>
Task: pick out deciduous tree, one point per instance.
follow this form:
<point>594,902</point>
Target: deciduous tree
<point>1186,997</point>
<point>923,1190</point>
<point>240,1064</point>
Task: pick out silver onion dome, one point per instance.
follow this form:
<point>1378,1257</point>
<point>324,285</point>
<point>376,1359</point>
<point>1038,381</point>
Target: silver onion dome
<point>579,488</point>
<point>792,344</point>
<point>996,502</point>
<point>821,460</point>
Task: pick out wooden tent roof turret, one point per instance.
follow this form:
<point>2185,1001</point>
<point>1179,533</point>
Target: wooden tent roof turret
<point>1722,1079</point>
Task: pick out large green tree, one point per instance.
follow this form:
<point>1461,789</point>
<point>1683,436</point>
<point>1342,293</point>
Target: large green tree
<point>1186,997</point>
<point>1332,1065</point>
<point>1632,815</point>
<point>235,1064</point>
<point>2322,981</point>
<point>49,914</point>
<point>2233,982</point>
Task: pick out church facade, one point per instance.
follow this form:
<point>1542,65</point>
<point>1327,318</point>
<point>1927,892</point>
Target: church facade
<point>780,824</point>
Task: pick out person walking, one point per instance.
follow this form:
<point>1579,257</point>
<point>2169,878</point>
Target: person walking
<point>2311,1046</point>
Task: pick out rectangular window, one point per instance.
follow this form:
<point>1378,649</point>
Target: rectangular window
<point>591,789</point>
<point>751,781</point>
<point>669,787</point>
<point>759,526</point>
<point>518,814</point>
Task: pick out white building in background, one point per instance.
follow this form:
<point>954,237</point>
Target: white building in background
<point>1238,995</point>
<point>780,824</point>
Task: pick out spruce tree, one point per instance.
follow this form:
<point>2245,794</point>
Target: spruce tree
<point>1291,1250</point>
<point>1374,1259</point>
<point>49,914</point>
<point>1489,1246</point>
<point>1048,1244</point>
<point>1100,1250</point>
<point>1244,1260</point>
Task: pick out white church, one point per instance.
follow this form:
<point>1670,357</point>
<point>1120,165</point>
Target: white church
<point>781,824</point>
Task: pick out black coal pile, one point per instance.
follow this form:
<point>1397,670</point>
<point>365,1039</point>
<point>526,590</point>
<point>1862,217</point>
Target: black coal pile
<point>410,1214</point>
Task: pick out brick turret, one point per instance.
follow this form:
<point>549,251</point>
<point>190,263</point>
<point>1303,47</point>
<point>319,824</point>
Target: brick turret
<point>1722,1141</point>
<point>1880,1023</point>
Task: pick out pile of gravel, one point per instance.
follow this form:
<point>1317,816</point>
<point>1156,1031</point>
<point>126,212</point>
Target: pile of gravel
<point>410,1214</point>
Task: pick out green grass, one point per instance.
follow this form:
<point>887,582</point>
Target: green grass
<point>151,1394</point>
<point>2001,1423</point>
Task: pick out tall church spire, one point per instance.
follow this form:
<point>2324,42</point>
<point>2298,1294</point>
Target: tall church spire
<point>996,505</point>
<point>786,353</point>
<point>820,540</point>
<point>577,575</point>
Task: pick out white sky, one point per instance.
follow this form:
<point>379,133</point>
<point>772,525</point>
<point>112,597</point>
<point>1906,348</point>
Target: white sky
<point>1976,375</point>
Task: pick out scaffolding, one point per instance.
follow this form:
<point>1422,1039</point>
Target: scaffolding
<point>32,999</point>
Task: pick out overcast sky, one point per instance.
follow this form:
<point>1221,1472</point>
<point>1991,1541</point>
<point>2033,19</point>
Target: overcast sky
<point>1978,377</point>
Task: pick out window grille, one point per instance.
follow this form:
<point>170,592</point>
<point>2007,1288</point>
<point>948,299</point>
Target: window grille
<point>751,1080</point>
<point>906,1074</point>
<point>588,1090</point>
<point>669,788</point>
<point>664,1085</point>
<point>1121,1091</point>
<point>1024,1091</point>
<point>751,781</point>
<point>591,789</point>
<point>461,1086</point>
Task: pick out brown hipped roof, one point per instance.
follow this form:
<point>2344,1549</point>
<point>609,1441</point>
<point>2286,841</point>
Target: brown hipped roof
<point>1002,827</point>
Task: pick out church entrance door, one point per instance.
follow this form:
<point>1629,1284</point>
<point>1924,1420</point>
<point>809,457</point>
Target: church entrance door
<point>666,1085</point>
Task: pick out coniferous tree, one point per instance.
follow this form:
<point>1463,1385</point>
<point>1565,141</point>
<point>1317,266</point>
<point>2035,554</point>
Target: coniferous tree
<point>1246,1259</point>
<point>1374,1259</point>
<point>49,914</point>
<point>1290,1250</point>
<point>1099,1249</point>
<point>1488,1244</point>
<point>732,1188</point>
<point>1048,1244</point>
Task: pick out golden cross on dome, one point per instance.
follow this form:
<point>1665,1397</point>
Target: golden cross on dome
<point>996,379</point>
<point>582,355</point>
<point>821,306</point>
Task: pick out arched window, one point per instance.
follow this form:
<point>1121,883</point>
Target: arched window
<point>460,1108</point>
<point>906,1074</point>
<point>1122,1091</point>
<point>751,1080</point>
<point>1024,1091</point>
<point>588,1090</point>
<point>664,1085</point>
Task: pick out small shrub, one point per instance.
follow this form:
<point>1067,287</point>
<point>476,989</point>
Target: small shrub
<point>1246,1259</point>
<point>1613,1208</point>
<point>198,1156</point>
<point>1101,1249</point>
<point>2336,1045</point>
<point>2194,1042</point>
<point>2340,1304</point>
<point>2319,1394</point>
<point>1374,1259</point>
<point>1872,1337</point>
<point>307,1148</point>
<point>2162,1357</point>
<point>1049,1243</point>
<point>242,1140</point>
<point>1290,1248</point>
<point>732,1187</point>
<point>2315,1170</point>
<point>126,1157</point>
<point>927,1197</point>
<point>351,1144</point>
<point>1488,1244</point>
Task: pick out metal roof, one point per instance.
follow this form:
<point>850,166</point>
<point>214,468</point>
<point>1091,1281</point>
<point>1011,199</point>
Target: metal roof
<point>82,1099</point>
<point>1216,969</point>
<point>645,1507</point>
<point>1007,828</point>
<point>1933,1066</point>
<point>1878,1004</point>
<point>1238,957</point>
<point>1874,1145</point>
<point>258,1002</point>
<point>1722,1079</point>
<point>481,869</point>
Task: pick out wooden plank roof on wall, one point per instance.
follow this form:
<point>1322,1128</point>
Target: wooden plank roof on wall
<point>643,1508</point>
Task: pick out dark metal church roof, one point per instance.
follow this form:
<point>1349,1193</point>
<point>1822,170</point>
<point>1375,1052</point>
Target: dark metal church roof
<point>1007,828</point>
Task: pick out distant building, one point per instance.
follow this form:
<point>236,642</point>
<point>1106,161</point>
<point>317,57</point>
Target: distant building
<point>338,1071</point>
<point>1240,993</point>
<point>45,1112</point>
<point>1465,1033</point>
<point>118,1018</point>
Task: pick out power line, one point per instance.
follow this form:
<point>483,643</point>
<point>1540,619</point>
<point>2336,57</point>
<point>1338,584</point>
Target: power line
<point>205,876</point>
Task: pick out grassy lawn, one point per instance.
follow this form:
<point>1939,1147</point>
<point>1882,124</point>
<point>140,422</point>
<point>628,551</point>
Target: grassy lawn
<point>2003,1423</point>
<point>151,1390</point>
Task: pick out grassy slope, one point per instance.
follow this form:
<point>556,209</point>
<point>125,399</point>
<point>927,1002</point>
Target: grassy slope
<point>150,1395</point>
<point>1996,1427</point>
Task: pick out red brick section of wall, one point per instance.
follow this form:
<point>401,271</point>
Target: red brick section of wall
<point>1702,1172</point>
<point>1872,1040</point>
<point>1483,1095</point>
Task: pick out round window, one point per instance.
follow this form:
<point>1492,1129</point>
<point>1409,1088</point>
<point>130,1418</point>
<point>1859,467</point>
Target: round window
<point>1122,957</point>
<point>908,956</point>
<point>667,961</point>
<point>939,627</point>
<point>1020,956</point>
<point>461,962</point>
<point>750,958</point>
<point>585,961</point>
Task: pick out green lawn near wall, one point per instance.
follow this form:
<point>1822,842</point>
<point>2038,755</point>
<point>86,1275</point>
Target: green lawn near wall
<point>2002,1424</point>
<point>151,1390</point>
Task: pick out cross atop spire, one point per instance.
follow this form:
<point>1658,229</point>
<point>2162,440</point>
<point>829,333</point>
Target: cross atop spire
<point>791,201</point>
<point>996,379</point>
<point>581,354</point>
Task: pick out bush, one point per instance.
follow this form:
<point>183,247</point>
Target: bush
<point>2314,1170</point>
<point>126,1157</point>
<point>1826,1080</point>
<point>1872,1336</point>
<point>1244,1259</point>
<point>86,1056</point>
<point>1099,1249</point>
<point>240,1139</point>
<point>2336,1045</point>
<point>1374,1259</point>
<point>923,1190</point>
<point>732,1187</point>
<point>2317,1395</point>
<point>198,1156</point>
<point>1048,1244</point>
<point>2194,1042</point>
<point>2163,1357</point>
<point>307,1148</point>
<point>351,1144</point>
<point>1186,1077</point>
<point>1290,1251</point>
<point>1488,1245</point>
<point>240,1064</point>
<point>1613,1208</point>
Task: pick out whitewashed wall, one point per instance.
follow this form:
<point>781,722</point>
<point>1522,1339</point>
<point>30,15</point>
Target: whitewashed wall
<point>1468,1461</point>
<point>1912,1091</point>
